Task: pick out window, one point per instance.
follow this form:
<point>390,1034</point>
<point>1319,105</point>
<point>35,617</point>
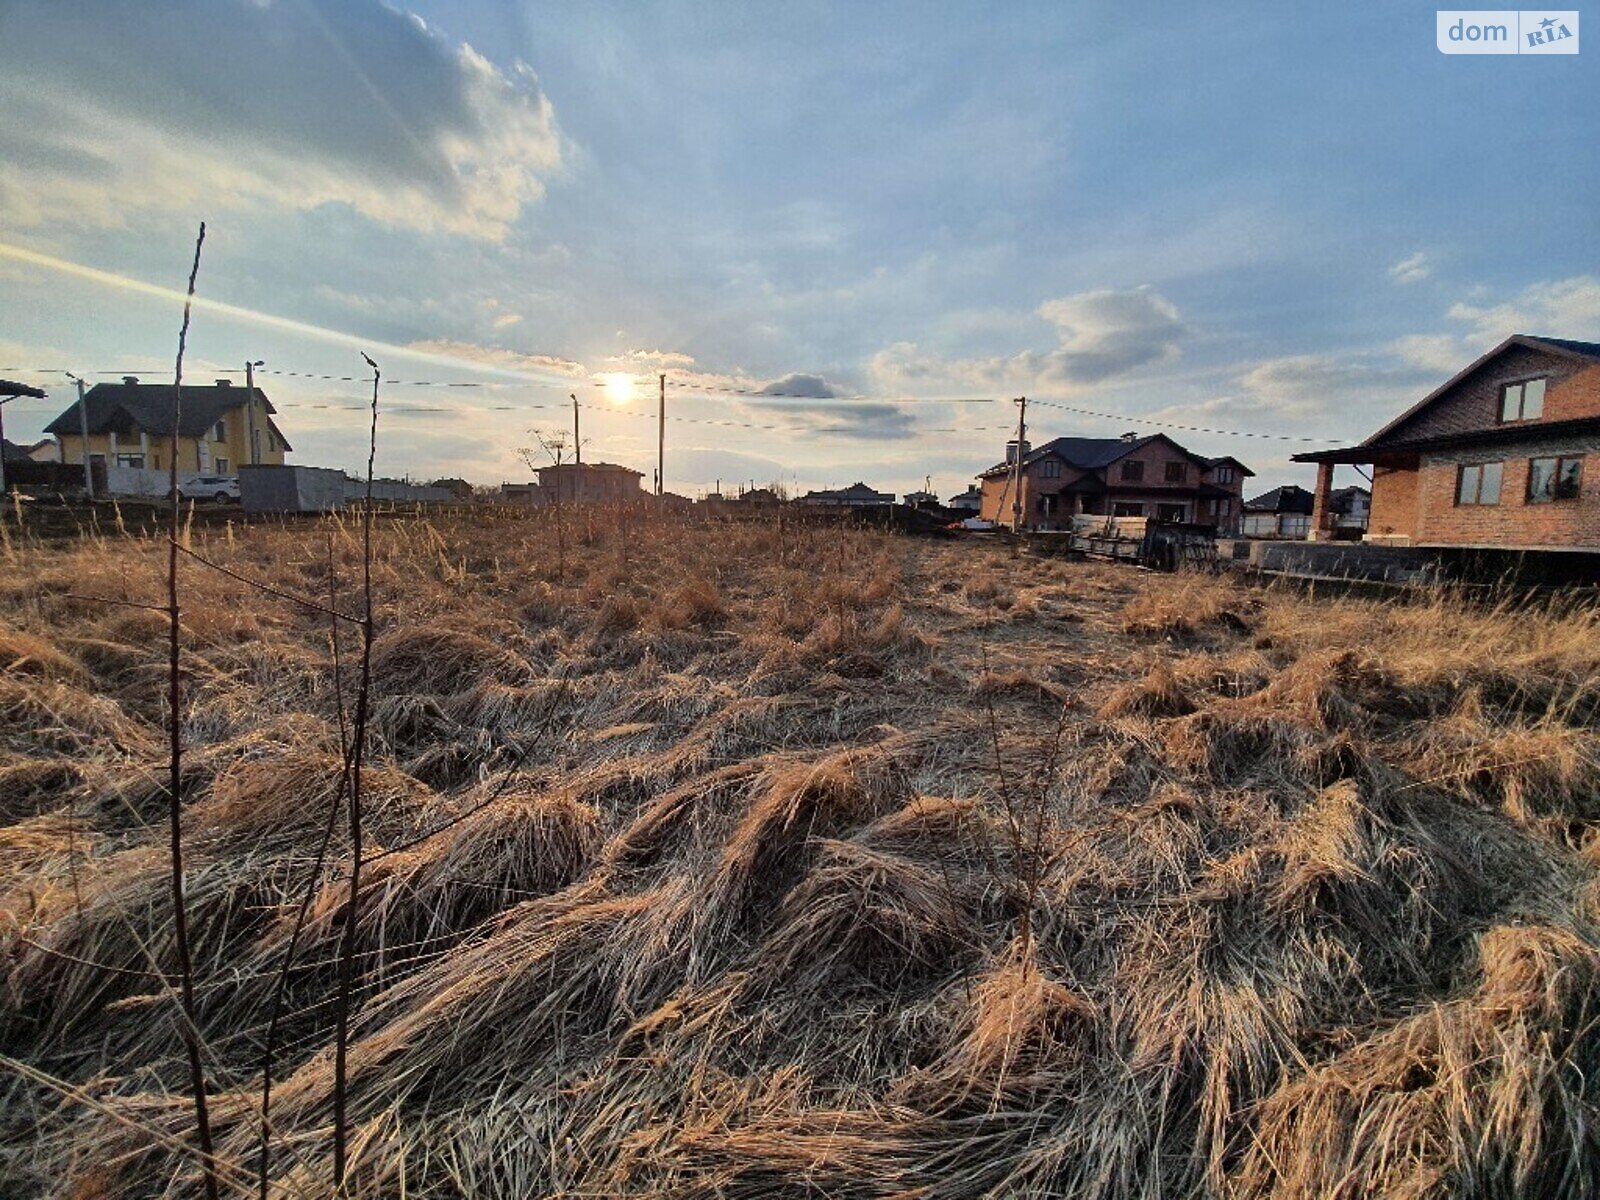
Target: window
<point>1177,472</point>
<point>1133,472</point>
<point>222,466</point>
<point>1554,478</point>
<point>1479,483</point>
<point>1050,469</point>
<point>1224,474</point>
<point>1127,508</point>
<point>220,433</point>
<point>1522,401</point>
<point>1169,512</point>
<point>1295,525</point>
<point>136,461</point>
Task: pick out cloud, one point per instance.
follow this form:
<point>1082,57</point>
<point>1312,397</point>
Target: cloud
<point>506,320</point>
<point>1567,308</point>
<point>653,360</point>
<point>813,387</point>
<point>196,105</point>
<point>1103,334</point>
<point>835,416</point>
<point>1412,269</point>
<point>497,356</point>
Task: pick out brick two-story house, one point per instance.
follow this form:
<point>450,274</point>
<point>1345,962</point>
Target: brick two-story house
<point>1500,457</point>
<point>1129,476</point>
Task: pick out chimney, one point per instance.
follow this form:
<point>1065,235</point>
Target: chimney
<point>224,383</point>
<point>1130,436</point>
<point>130,380</point>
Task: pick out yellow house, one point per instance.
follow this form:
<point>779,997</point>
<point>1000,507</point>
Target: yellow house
<point>221,427</point>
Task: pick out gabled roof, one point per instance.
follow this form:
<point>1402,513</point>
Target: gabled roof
<point>11,452</point>
<point>1213,463</point>
<point>148,406</point>
<point>1095,454</point>
<point>1586,351</point>
<point>589,466</point>
<point>1286,499</point>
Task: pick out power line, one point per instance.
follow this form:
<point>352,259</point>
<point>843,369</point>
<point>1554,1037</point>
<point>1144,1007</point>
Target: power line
<point>708,390</point>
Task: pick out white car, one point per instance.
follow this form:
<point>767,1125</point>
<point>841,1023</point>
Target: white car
<point>221,488</point>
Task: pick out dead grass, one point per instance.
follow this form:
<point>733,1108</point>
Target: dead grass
<point>691,874</point>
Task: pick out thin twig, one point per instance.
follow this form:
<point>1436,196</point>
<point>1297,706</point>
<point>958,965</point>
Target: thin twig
<point>180,922</point>
<point>358,745</point>
<point>281,989</point>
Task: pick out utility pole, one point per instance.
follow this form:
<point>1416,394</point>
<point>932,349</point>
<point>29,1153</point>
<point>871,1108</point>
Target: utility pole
<point>250,409</point>
<point>577,443</point>
<point>1016,467</point>
<point>83,433</point>
<point>661,433</point>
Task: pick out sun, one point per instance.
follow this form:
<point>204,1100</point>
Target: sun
<point>619,387</point>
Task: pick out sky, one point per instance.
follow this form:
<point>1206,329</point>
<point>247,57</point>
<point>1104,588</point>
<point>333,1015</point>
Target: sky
<point>1289,221</point>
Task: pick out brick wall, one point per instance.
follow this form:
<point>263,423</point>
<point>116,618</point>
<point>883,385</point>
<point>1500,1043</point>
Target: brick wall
<point>1513,522</point>
<point>1572,390</point>
<point>1394,501</point>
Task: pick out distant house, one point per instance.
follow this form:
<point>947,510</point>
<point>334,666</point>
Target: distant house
<point>1129,476</point>
<point>1284,512</point>
<point>917,499</point>
<point>578,483</point>
<point>761,496</point>
<point>857,495</point>
<point>460,489</point>
<point>1494,458</point>
<point>221,427</point>
<point>970,500</point>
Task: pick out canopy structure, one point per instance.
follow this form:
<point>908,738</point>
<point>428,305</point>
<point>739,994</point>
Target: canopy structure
<point>10,390</point>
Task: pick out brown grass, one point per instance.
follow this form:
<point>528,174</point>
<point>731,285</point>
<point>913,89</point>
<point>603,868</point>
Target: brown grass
<point>692,874</point>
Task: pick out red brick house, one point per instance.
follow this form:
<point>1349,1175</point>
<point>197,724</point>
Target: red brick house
<point>1128,476</point>
<point>1501,457</point>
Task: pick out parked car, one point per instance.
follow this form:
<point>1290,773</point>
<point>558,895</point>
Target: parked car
<point>221,488</point>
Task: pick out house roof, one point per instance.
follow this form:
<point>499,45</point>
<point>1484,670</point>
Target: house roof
<point>1585,351</point>
<point>1286,499</point>
<point>590,466</point>
<point>11,452</point>
<point>148,407</point>
<point>1095,454</point>
<point>1527,431</point>
<point>855,489</point>
<point>1212,463</point>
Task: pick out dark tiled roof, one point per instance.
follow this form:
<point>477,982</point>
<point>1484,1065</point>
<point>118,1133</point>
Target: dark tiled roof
<point>11,452</point>
<point>1591,349</point>
<point>1289,499</point>
<point>1086,454</point>
<point>148,406</point>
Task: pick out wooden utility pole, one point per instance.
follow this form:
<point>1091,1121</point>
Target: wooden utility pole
<point>661,433</point>
<point>250,410</point>
<point>577,442</point>
<point>1016,467</point>
<point>83,433</point>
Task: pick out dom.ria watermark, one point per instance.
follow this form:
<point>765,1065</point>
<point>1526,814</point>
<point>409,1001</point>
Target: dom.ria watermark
<point>1481,31</point>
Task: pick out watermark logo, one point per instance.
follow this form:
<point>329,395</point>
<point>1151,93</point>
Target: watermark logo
<point>1507,31</point>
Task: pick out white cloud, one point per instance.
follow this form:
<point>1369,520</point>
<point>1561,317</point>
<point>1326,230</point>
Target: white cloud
<point>1103,334</point>
<point>499,356</point>
<point>506,320</point>
<point>254,106</point>
<point>1412,269</point>
<point>1566,308</point>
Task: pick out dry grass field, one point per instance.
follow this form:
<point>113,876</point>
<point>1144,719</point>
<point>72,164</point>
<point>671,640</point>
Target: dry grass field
<point>758,861</point>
